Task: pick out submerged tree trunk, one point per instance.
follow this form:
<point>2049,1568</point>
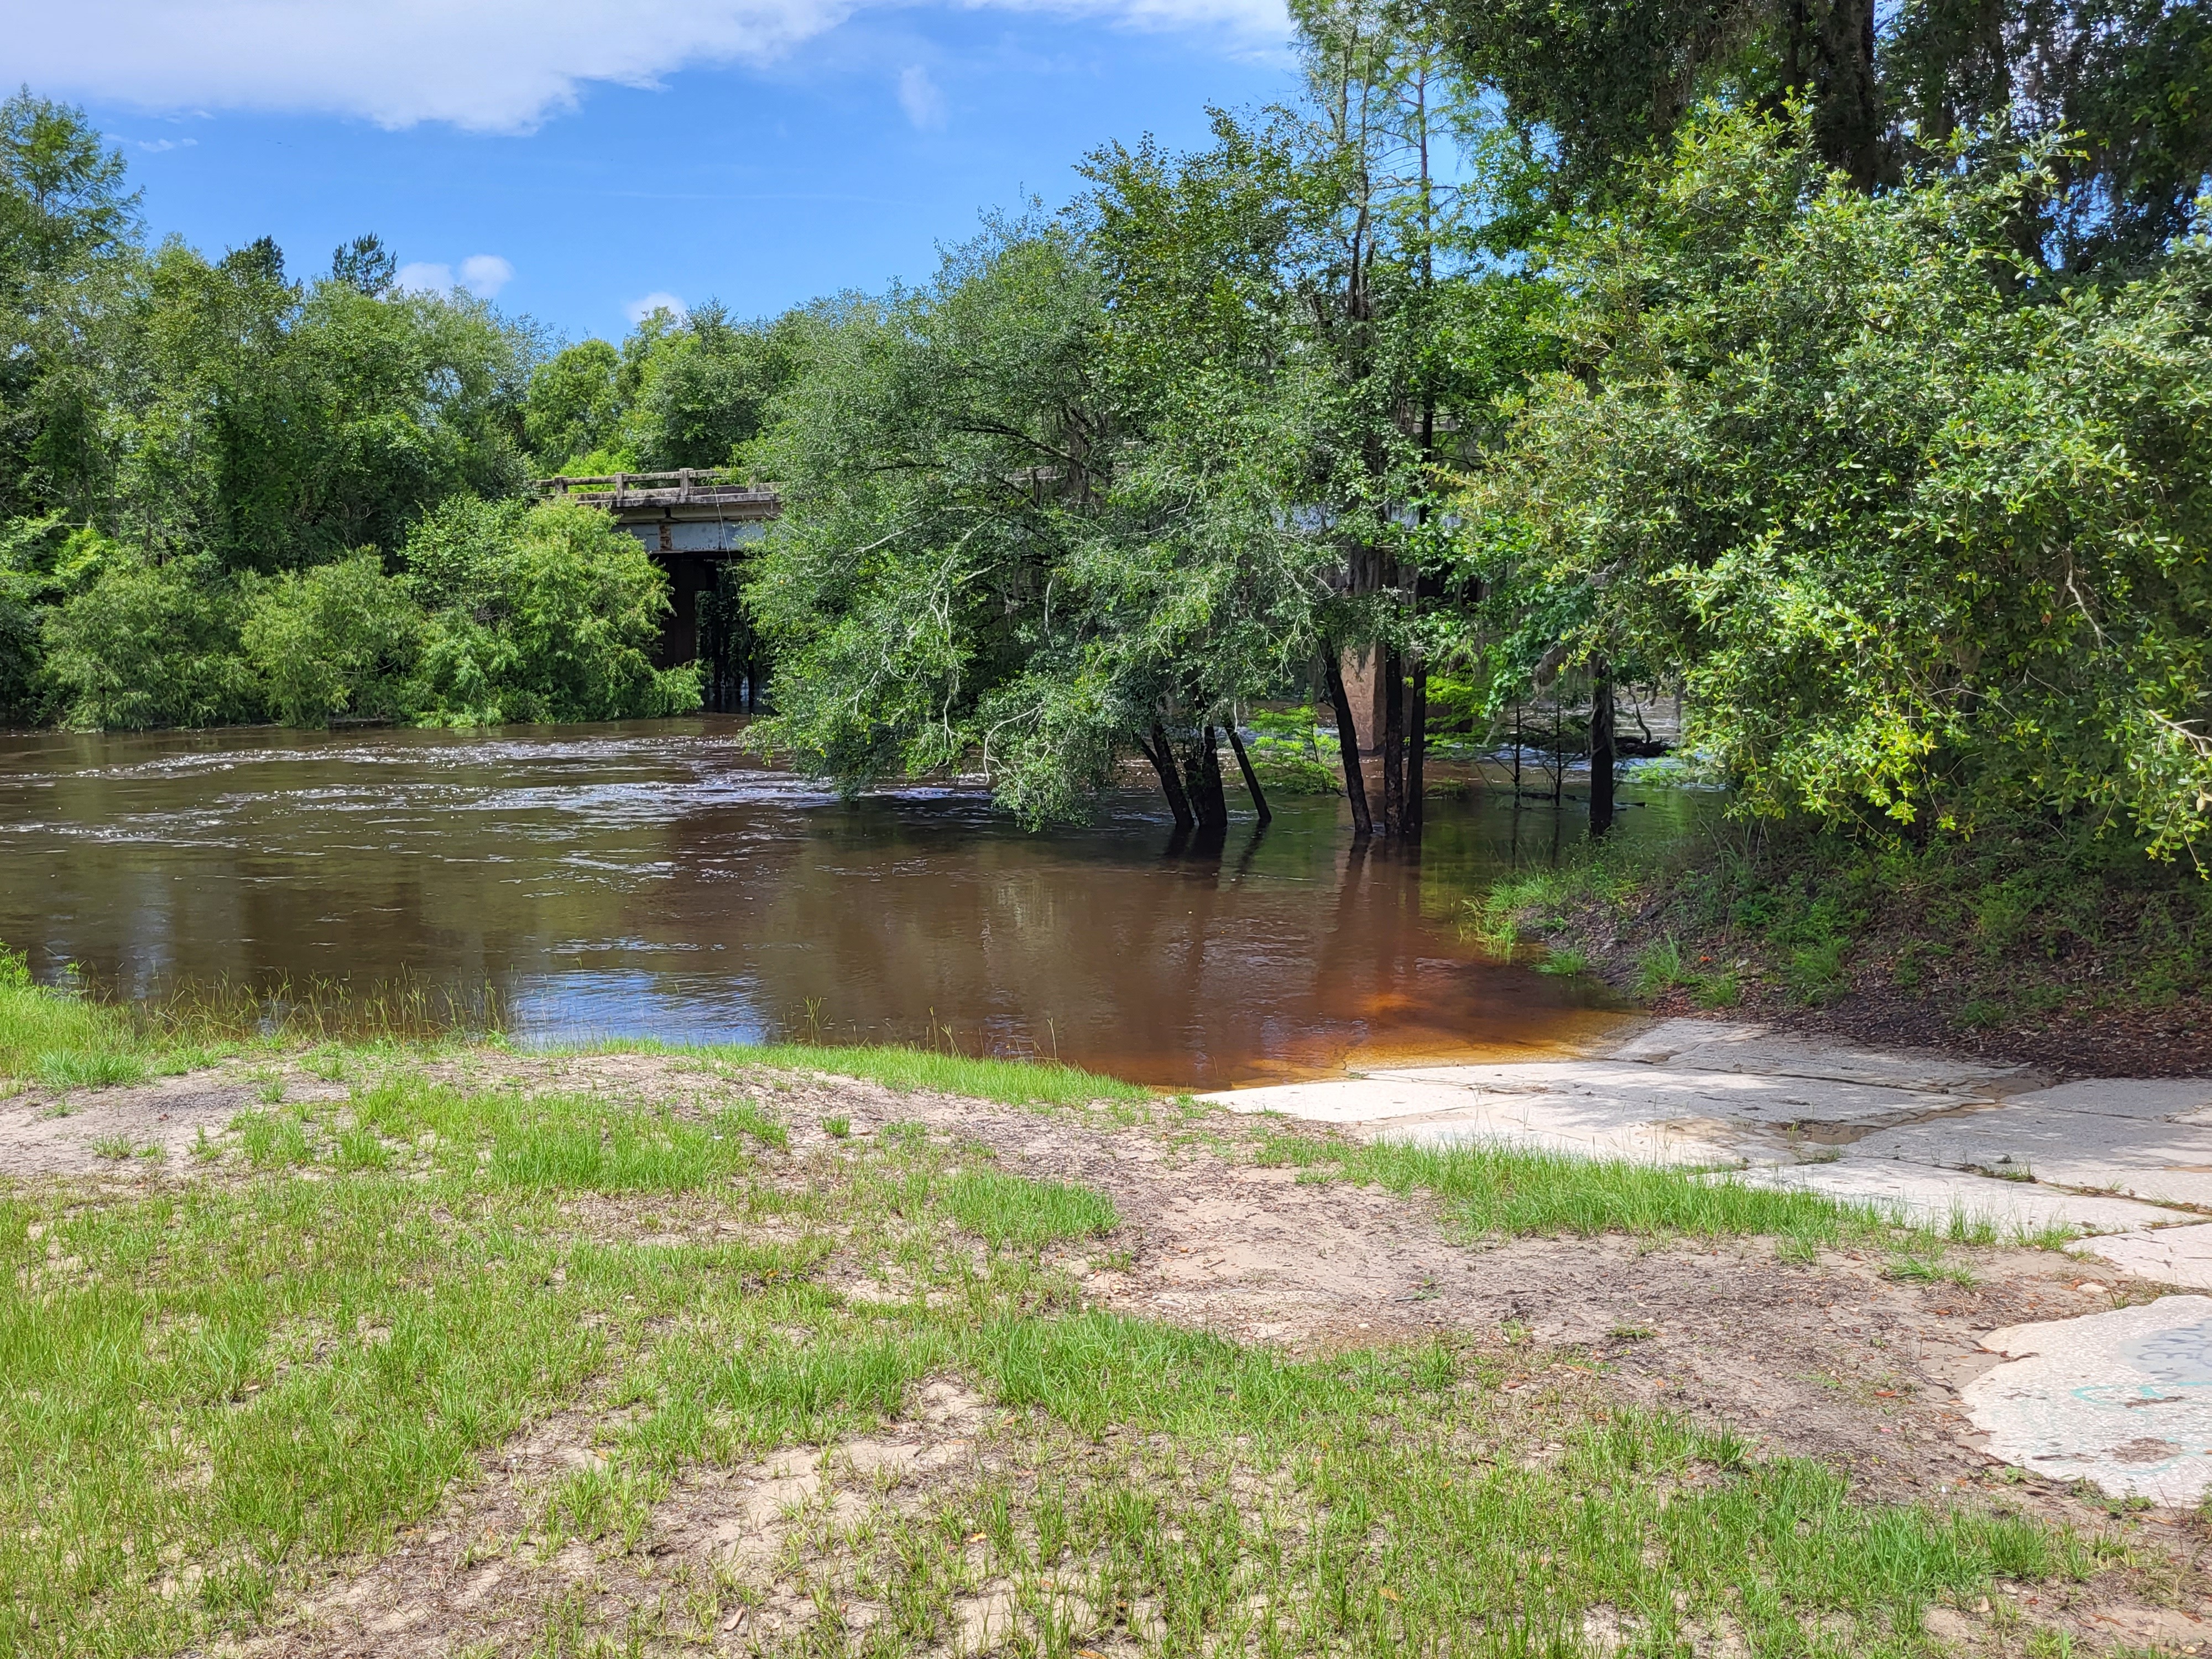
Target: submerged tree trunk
<point>1202,773</point>
<point>1394,741</point>
<point>1601,748</point>
<point>1161,753</point>
<point>1416,748</point>
<point>1347,742</point>
<point>1251,778</point>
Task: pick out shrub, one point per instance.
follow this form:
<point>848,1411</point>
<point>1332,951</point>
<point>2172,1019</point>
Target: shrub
<point>143,644</point>
<point>539,613</point>
<point>338,639</point>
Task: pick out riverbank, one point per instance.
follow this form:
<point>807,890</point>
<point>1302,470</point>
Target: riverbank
<point>420,1350</point>
<point>2033,945</point>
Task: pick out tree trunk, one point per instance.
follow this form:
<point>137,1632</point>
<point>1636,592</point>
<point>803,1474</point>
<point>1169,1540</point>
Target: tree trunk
<point>1394,741</point>
<point>1847,116</point>
<point>1251,778</point>
<point>1347,743</point>
<point>1202,768</point>
<point>1601,747</point>
<point>1161,753</point>
<point>1417,750</point>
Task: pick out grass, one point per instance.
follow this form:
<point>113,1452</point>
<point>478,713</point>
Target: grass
<point>216,1390</point>
<point>904,1070</point>
<point>2005,924</point>
<point>62,1039</point>
<point>1002,1209</point>
<point>1497,1190</point>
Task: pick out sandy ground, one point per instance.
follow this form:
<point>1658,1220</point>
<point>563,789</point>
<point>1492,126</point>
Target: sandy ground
<point>1828,1359</point>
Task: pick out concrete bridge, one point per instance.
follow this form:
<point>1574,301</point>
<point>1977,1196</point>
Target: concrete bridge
<point>692,522</point>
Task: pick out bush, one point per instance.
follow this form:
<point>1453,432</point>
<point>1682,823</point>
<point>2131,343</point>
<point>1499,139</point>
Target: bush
<point>143,644</point>
<point>338,639</point>
<point>539,613</point>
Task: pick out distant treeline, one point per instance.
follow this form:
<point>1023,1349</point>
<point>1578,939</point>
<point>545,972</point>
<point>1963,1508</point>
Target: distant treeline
<point>1846,370</point>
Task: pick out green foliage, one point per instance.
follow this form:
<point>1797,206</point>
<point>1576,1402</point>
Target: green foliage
<point>574,409</point>
<point>143,644</point>
<point>338,639</point>
<point>539,613</point>
<point>1919,528</point>
<point>2120,84</point>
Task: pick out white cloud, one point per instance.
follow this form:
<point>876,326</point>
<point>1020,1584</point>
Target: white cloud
<point>918,97</point>
<point>155,146</point>
<point>485,274</point>
<point>489,66</point>
<point>419,278</point>
<point>481,274</point>
<point>644,306</point>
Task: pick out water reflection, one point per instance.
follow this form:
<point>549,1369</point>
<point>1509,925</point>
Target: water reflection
<point>650,879</point>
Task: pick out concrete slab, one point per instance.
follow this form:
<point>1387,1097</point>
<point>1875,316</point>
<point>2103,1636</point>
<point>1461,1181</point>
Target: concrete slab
<point>1710,1045</point>
<point>1591,1124</point>
<point>1756,1100</point>
<point>2172,1256</point>
<point>1935,1197</point>
<point>2123,1399</point>
<point>1350,1100</point>
<point>2173,1099</point>
<point>2143,1156</point>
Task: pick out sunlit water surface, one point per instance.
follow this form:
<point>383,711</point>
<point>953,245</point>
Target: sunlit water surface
<point>651,879</point>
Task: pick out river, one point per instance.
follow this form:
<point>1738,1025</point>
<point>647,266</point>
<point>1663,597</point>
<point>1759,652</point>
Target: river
<point>651,878</point>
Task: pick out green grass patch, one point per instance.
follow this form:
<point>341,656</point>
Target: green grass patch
<point>905,1069</point>
<point>1511,1191</point>
<point>1004,1209</point>
<point>60,1040</point>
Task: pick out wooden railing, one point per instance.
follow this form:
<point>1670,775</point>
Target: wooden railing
<point>687,486</point>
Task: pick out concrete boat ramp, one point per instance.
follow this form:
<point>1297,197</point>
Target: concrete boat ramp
<point>2123,1398</point>
<point>1926,1138</point>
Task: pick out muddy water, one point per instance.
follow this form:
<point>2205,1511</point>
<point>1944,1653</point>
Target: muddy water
<point>652,879</point>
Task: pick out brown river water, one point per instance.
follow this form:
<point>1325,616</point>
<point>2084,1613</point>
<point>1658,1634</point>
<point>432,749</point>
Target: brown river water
<point>652,879</point>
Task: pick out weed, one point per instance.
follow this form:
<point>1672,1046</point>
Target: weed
<point>1722,989</point>
<point>88,1068</point>
<point>1981,1013</point>
<point>1659,967</point>
<point>1815,971</point>
<point>837,1128</point>
<point>112,1146</point>
<point>1926,1264</point>
<point>1565,962</point>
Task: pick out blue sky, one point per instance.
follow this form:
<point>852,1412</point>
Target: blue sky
<point>762,151</point>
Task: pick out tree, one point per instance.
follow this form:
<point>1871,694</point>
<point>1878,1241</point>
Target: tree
<point>366,265</point>
<point>1922,526</point>
<point>538,612</point>
<point>1005,543</point>
<point>698,388</point>
<point>2122,88</point>
<point>575,406</point>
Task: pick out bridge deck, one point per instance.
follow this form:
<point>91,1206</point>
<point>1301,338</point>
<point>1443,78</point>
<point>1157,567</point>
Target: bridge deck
<point>650,493</point>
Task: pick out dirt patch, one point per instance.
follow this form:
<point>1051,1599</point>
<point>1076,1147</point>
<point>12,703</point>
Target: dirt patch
<point>702,1562</point>
<point>146,1132</point>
